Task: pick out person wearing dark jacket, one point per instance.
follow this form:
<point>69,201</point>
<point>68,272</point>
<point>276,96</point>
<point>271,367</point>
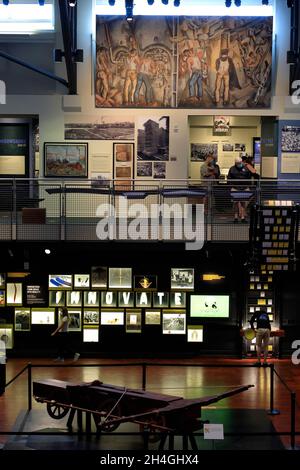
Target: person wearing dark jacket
<point>263,330</point>
<point>239,172</point>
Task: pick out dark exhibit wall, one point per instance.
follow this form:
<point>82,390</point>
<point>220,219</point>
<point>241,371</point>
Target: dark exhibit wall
<point>168,329</point>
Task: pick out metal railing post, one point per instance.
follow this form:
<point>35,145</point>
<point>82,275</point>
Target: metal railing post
<point>293,419</point>
<point>29,386</point>
<point>272,411</point>
<point>144,377</point>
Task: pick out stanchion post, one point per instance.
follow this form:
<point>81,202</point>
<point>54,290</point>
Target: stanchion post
<point>29,386</point>
<point>144,378</point>
<point>272,411</point>
<point>293,419</point>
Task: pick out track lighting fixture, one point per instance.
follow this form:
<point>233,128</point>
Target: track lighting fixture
<point>176,3</point>
<point>129,10</point>
<point>228,3</point>
<point>237,3</point>
<point>150,2</point>
<point>5,2</point>
<point>72,3</point>
<point>111,3</point>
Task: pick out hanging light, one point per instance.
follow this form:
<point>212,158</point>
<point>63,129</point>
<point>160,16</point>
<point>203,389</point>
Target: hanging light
<point>237,3</point>
<point>228,3</point>
<point>111,3</point>
<point>150,2</point>
<point>41,3</point>
<point>176,3</point>
<point>72,3</point>
<point>5,2</point>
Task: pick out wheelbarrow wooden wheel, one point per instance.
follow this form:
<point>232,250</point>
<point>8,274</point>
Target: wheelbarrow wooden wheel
<point>105,422</point>
<point>57,411</point>
<point>155,434</point>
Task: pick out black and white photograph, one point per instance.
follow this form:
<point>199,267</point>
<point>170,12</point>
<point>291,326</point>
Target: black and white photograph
<point>133,321</point>
<point>199,152</point>
<point>74,319</point>
<point>153,139</point>
<point>100,179</point>
<point>7,336</point>
<point>109,299</point>
<point>102,128</point>
<point>159,170</point>
<point>2,280</point>
<point>144,169</point>
<point>98,277</point>
<point>22,319</point>
<point>182,278</point>
<point>81,281</point>
<point>228,148</point>
<point>90,316</point>
<point>120,278</point>
<point>174,323</point>
<point>152,317</point>
<point>240,147</point>
<point>290,139</point>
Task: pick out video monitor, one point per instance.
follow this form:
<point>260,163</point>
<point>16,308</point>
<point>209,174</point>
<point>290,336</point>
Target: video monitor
<point>209,306</point>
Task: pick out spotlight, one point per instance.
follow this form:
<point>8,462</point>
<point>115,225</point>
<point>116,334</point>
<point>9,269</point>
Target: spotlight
<point>237,3</point>
<point>111,3</point>
<point>72,3</point>
<point>165,2</point>
<point>150,2</point>
<point>78,55</point>
<point>5,2</point>
<point>58,55</point>
<point>176,3</point>
<point>41,3</point>
<point>47,251</point>
<point>228,3</point>
<point>265,2</point>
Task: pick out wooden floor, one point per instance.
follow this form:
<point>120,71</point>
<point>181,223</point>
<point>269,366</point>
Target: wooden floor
<point>189,382</point>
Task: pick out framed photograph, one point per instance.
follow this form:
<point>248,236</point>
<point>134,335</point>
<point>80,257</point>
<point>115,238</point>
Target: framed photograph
<point>123,164</point>
<point>14,293</point>
<point>74,298</point>
<point>199,152</point>
<point>42,316</point>
<point>57,298</point>
<point>2,298</point>
<point>74,319</point>
<point>91,298</point>
<point>133,321</point>
<point>195,334</point>
<point>81,281</point>
<point>91,316</point>
<point>7,336</point>
<point>120,278</point>
<point>182,278</point>
<point>22,319</point>
<point>90,334</point>
<point>112,317</point>
<point>65,160</point>
<point>60,281</point>
<point>99,277</point>
<point>2,280</point>
<point>174,322</point>
<point>240,147</point>
<point>142,282</point>
<point>152,317</point>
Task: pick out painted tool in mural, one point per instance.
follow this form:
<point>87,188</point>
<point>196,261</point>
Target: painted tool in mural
<point>192,62</point>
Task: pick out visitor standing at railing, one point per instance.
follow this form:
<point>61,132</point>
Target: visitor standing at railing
<point>263,331</point>
<point>239,171</point>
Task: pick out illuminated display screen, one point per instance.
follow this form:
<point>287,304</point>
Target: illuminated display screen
<point>210,306</point>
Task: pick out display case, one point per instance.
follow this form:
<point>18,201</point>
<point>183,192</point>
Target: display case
<point>91,316</point>
<point>120,278</point>
<point>91,299</point>
<point>57,298</point>
<point>126,299</point>
<point>99,277</point>
<point>81,281</point>
<point>22,319</point>
<point>90,334</point>
<point>142,283</point>
<point>14,294</point>
<point>74,298</point>
<point>109,299</point>
<point>152,317</point>
<point>74,319</point>
<point>7,335</point>
<point>195,334</point>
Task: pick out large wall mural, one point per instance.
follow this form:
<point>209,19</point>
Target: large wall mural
<point>193,62</point>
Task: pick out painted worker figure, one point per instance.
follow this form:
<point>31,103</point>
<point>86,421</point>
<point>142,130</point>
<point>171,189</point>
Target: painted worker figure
<point>226,77</point>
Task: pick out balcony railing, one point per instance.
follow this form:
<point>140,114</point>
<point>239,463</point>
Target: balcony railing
<point>32,209</point>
